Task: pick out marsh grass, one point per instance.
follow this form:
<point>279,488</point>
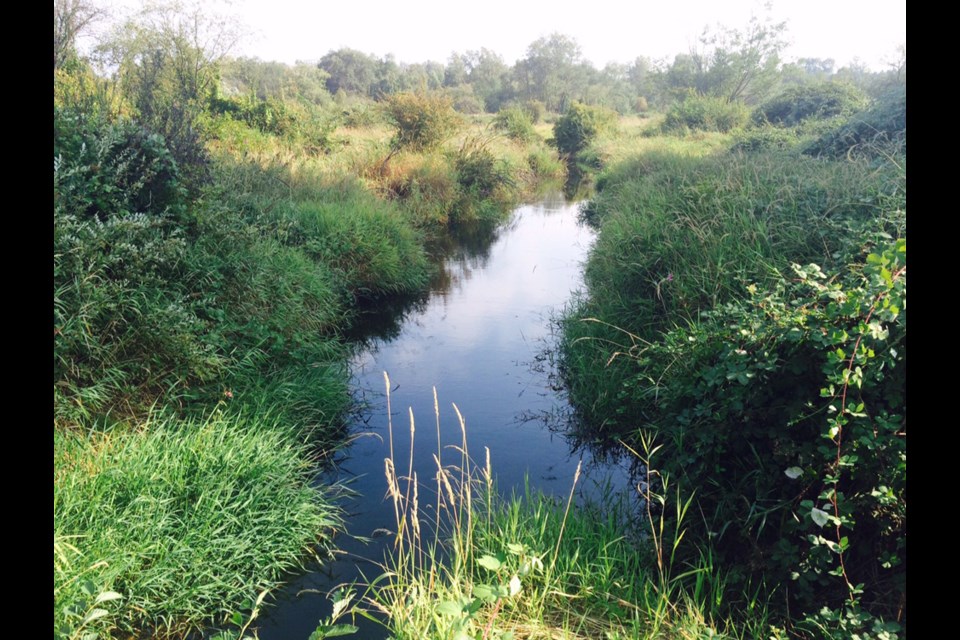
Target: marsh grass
<point>680,235</point>
<point>534,566</point>
<point>184,519</point>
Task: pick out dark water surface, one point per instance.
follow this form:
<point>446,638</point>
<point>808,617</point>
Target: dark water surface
<point>480,338</point>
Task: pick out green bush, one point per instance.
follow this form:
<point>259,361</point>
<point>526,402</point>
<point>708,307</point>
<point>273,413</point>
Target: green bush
<point>811,101</point>
<point>535,109</point>
<point>764,138</point>
<point>516,123</point>
<point>103,169</point>
<point>704,113</point>
<point>758,401</point>
<point>422,120</point>
<point>580,125</point>
<point>873,132</point>
<point>746,391</point>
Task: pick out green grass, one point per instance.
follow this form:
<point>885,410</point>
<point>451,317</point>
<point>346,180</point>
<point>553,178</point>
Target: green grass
<point>680,234</point>
<point>184,519</point>
<point>534,566</point>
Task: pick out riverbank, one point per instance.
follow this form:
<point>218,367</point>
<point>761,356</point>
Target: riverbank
<point>199,325</point>
<point>745,308</point>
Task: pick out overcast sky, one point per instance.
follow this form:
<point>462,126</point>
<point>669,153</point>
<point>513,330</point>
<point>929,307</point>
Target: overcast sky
<point>607,30</point>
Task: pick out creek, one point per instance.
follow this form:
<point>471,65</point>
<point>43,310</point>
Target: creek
<point>483,338</point>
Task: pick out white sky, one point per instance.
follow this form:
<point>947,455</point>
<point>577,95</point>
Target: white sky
<point>607,30</point>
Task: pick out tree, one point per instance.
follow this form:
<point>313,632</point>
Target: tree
<point>351,71</point>
<point>455,73</point>
<point>552,71</point>
<point>734,64</point>
<point>70,19</point>
<point>490,78</point>
<point>167,57</point>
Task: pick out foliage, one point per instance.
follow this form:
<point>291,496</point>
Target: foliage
<point>801,102</point>
<point>351,71</point>
<point>70,19</point>
<point>705,113</point>
<point>785,407</point>
<point>532,565</point>
<point>873,132</point>
<point>183,518</point>
<point>731,64</point>
<point>580,125</point>
<point>516,123</point>
<point>764,138</point>
<point>301,82</point>
<point>552,71</point>
<point>421,120</point>
<point>303,124</point>
<point>103,170</point>
<point>167,57</point>
<point>788,410</point>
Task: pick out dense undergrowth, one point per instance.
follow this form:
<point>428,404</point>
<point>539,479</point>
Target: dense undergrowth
<point>749,308</point>
<point>470,562</point>
<point>746,304</point>
<point>202,288</point>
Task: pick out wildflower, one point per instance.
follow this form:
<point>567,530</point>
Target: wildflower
<point>228,394</point>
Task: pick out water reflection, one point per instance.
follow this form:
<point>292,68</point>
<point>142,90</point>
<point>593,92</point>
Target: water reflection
<point>479,338</point>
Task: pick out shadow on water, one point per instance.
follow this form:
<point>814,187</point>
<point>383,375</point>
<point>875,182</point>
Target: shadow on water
<point>479,338</point>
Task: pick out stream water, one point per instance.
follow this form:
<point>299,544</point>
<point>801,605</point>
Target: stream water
<point>480,339</point>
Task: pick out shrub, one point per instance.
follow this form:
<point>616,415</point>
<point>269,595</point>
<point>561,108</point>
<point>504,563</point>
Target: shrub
<point>422,121</point>
<point>580,125</point>
<point>869,132</point>
<point>811,101</point>
<point>764,138</point>
<point>516,123</point>
<point>464,99</point>
<point>535,109</point>
<point>102,169</point>
<point>704,113</point>
<point>787,410</point>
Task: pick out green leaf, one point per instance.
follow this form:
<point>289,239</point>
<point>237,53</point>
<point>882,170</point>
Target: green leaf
<point>490,593</point>
<point>107,596</point>
<point>96,614</point>
<point>514,586</point>
<point>88,587</point>
<point>339,630</point>
<point>449,608</point>
<point>819,517</point>
<point>793,472</point>
<point>489,562</point>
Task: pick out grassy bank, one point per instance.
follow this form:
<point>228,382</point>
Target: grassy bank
<point>531,566</point>
<point>180,518</point>
<point>749,309</point>
<point>203,283</point>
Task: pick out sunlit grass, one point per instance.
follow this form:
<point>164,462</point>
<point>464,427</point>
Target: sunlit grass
<point>534,566</point>
<point>185,519</point>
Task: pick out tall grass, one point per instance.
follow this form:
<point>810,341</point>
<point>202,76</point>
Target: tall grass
<point>184,519</point>
<point>534,566</point>
<point>679,235</point>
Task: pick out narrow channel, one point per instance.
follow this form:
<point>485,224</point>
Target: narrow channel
<point>480,339</point>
